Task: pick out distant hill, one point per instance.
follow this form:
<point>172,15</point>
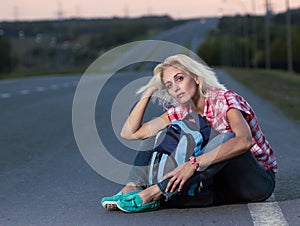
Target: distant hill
<point>70,45</point>
<point>83,26</point>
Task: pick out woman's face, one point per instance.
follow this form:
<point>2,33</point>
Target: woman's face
<point>179,84</point>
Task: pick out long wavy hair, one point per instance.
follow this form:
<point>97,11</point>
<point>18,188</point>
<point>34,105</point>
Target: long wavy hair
<point>198,70</point>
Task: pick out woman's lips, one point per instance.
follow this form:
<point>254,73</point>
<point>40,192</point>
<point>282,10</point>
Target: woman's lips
<point>180,95</point>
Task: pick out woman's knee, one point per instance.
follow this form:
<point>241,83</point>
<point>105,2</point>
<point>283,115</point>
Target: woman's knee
<point>254,193</point>
<point>218,140</point>
<point>147,144</point>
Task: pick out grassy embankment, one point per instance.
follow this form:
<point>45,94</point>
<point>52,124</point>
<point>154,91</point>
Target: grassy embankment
<point>280,87</point>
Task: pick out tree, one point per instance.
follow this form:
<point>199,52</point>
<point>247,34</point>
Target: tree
<point>5,62</point>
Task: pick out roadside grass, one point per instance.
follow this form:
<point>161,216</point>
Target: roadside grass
<point>280,87</point>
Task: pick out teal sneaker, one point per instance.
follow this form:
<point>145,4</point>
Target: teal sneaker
<point>134,204</point>
<point>109,203</point>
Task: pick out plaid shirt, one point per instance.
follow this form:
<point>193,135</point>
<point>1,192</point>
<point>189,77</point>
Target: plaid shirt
<point>217,103</point>
<point>178,112</point>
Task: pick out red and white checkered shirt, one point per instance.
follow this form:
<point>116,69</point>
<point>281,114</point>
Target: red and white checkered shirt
<point>178,112</point>
<point>217,103</point>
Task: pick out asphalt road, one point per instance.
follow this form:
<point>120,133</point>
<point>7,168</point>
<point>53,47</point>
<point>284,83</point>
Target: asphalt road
<point>44,180</point>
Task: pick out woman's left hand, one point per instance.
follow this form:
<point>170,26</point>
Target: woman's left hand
<point>179,176</point>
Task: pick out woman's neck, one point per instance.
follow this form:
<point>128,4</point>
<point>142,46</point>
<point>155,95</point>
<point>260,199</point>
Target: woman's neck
<point>199,103</point>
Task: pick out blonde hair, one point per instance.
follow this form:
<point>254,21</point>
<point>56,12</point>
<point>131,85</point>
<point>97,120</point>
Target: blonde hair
<point>199,70</point>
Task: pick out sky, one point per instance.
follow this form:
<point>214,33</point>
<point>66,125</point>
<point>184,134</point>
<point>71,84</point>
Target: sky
<point>178,9</point>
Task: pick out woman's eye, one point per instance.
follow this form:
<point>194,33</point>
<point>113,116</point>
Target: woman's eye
<point>179,78</point>
<point>168,86</point>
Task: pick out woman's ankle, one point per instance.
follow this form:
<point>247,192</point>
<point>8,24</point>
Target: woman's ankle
<point>129,188</point>
<point>150,194</point>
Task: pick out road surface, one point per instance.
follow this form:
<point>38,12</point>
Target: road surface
<point>44,180</point>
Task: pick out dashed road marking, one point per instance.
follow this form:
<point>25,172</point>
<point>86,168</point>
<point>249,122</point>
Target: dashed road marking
<point>267,213</point>
<point>5,95</point>
<point>66,85</point>
<point>24,92</point>
<point>40,89</point>
<point>54,86</point>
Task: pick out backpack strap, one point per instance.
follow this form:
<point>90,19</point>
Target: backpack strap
<point>152,163</point>
<point>161,166</point>
<point>198,123</point>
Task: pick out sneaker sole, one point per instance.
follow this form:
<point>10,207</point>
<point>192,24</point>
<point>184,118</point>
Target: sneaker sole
<point>110,205</point>
<point>120,208</point>
<point>144,210</point>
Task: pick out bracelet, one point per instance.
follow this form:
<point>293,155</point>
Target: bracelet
<point>195,163</point>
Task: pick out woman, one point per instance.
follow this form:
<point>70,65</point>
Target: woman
<point>240,158</point>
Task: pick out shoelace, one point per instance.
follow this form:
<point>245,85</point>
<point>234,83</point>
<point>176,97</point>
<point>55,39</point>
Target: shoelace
<point>134,203</point>
<point>132,199</point>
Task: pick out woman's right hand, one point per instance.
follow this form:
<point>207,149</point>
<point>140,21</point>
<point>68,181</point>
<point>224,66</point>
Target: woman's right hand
<point>179,176</point>
<point>149,92</point>
<point>134,128</point>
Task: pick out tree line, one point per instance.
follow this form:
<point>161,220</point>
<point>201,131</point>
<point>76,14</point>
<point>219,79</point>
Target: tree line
<point>70,45</point>
<point>240,41</point>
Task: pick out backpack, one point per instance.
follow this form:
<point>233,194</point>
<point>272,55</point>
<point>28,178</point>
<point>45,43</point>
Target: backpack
<point>173,146</point>
<point>176,143</point>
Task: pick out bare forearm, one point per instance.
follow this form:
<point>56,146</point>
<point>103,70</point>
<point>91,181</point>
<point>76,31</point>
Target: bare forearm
<point>232,148</point>
<point>135,118</point>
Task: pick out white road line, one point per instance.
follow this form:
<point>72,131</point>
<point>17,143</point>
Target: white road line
<point>266,214</point>
<point>24,92</point>
<point>5,95</point>
<point>40,89</point>
<point>54,86</point>
<point>66,84</point>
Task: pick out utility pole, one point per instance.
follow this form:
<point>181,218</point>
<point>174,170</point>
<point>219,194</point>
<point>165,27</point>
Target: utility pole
<point>244,32</point>
<point>254,32</point>
<point>126,11</point>
<point>246,54</point>
<point>267,36</point>
<point>77,11</point>
<point>16,13</point>
<point>288,38</point>
<point>60,12</point>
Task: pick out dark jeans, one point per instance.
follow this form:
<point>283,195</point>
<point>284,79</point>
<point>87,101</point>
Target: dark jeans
<point>240,179</point>
<point>139,173</point>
